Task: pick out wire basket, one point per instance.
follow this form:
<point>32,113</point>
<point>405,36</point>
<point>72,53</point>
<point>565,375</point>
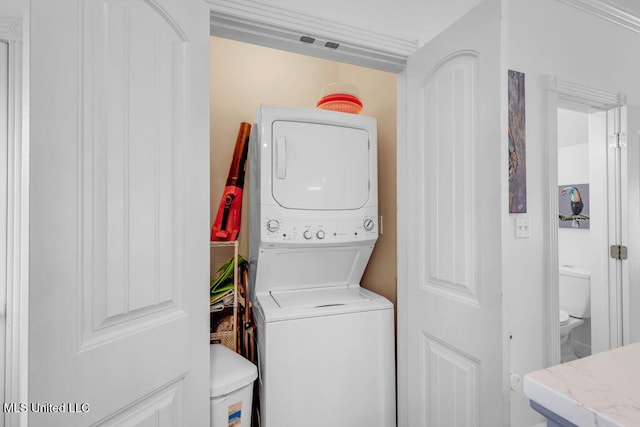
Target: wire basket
<point>227,338</point>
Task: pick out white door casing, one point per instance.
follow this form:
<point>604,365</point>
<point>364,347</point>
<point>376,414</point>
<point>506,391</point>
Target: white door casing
<point>119,211</point>
<point>607,315</point>
<point>631,287</point>
<point>450,336</point>
<point>16,222</point>
<point>607,184</point>
<point>598,254</point>
<point>617,205</point>
<point>4,198</point>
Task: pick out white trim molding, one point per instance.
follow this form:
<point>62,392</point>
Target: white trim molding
<point>550,225</point>
<point>263,24</point>
<point>10,29</point>
<point>402,202</point>
<point>609,11</point>
<point>17,326</point>
<point>575,93</point>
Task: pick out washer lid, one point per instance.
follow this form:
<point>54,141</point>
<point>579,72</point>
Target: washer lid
<point>229,370</point>
<point>564,317</point>
<point>320,297</point>
<point>277,306</point>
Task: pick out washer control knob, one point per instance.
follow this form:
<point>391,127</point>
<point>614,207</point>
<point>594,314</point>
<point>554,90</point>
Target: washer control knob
<point>273,225</point>
<point>320,234</point>
<point>307,234</point>
<point>368,224</point>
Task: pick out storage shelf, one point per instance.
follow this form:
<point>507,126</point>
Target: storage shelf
<point>222,244</point>
<point>228,338</point>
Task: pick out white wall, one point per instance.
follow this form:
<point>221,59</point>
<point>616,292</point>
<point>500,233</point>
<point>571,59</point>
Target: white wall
<point>549,37</point>
<point>573,127</point>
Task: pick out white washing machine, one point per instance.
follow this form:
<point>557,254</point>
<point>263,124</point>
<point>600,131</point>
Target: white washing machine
<point>325,345</point>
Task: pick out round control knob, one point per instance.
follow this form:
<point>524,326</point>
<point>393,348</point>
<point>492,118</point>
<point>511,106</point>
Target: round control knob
<point>320,234</point>
<point>307,234</point>
<point>273,225</point>
<point>368,224</point>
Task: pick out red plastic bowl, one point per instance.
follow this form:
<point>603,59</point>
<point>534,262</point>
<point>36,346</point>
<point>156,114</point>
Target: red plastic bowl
<point>342,102</point>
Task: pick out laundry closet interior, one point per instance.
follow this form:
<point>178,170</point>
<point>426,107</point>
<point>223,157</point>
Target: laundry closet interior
<point>244,76</point>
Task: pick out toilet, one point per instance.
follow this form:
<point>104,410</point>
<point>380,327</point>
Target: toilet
<point>575,305</point>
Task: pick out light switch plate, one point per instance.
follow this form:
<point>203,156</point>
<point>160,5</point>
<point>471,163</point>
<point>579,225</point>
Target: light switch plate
<point>523,228</point>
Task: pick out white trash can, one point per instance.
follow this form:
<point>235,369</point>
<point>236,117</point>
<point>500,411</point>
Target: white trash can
<point>232,378</point>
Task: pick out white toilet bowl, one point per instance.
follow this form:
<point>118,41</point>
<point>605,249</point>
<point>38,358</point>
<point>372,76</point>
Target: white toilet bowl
<point>567,324</point>
<point>575,305</point>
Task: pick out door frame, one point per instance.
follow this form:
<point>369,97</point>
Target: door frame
<point>234,19</point>
<point>279,28</point>
<point>17,279</point>
<point>557,92</point>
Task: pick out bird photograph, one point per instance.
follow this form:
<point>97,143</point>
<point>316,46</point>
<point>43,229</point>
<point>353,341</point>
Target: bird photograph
<point>576,204</point>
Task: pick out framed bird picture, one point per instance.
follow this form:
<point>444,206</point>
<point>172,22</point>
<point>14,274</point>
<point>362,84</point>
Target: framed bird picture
<point>573,206</point>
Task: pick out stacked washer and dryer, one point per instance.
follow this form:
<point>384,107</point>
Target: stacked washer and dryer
<point>325,345</point>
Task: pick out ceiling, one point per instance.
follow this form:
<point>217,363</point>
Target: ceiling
<point>412,20</point>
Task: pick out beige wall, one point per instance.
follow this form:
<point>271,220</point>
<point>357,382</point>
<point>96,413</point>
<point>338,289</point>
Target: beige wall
<point>244,76</point>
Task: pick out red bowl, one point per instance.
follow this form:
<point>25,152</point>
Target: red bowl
<point>342,102</point>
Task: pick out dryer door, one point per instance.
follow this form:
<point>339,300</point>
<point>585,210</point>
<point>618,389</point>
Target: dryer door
<point>319,166</point>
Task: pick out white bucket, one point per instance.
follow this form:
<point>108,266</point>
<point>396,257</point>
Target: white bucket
<point>232,378</point>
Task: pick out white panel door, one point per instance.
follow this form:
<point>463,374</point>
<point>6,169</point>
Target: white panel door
<point>119,212</point>
<point>452,372</point>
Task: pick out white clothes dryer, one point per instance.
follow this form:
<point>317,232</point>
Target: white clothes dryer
<point>325,345</point>
<point>313,179</point>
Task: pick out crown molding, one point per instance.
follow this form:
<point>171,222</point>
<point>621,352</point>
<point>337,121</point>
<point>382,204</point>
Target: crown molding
<point>578,94</point>
<point>608,11</point>
<point>264,24</point>
<point>10,28</point>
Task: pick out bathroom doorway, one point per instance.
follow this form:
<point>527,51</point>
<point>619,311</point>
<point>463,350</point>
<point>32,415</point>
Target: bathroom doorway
<point>591,207</point>
<point>581,224</point>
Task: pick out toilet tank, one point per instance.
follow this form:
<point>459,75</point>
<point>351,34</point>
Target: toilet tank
<point>575,291</point>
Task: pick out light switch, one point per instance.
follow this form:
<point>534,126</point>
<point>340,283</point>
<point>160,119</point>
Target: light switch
<point>523,228</point>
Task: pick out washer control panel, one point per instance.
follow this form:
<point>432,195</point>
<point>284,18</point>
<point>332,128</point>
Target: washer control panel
<point>327,230</point>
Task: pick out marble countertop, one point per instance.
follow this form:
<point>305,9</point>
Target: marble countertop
<point>599,390</point>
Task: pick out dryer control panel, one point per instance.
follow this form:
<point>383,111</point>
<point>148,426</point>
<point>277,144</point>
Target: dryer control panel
<point>314,231</point>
